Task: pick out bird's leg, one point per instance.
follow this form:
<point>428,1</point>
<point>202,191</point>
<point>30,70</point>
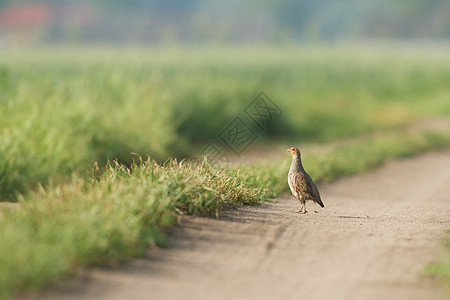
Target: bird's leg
<point>304,208</point>
<point>301,209</point>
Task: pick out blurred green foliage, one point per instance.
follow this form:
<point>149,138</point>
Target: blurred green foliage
<point>62,110</point>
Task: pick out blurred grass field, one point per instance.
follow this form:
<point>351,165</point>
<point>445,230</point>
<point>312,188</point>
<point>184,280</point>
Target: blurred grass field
<point>64,109</point>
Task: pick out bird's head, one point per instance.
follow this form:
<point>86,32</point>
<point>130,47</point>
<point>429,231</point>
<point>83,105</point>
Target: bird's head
<point>294,151</point>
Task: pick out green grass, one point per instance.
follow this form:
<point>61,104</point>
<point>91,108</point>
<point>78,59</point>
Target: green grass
<point>64,109</point>
<point>441,269</point>
<point>88,222</point>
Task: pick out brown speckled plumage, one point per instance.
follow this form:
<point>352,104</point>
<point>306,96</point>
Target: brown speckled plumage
<point>301,184</point>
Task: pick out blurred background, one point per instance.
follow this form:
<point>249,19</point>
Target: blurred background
<point>90,81</point>
<point>200,21</point>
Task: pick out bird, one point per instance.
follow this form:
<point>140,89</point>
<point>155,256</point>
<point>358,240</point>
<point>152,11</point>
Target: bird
<point>301,184</point>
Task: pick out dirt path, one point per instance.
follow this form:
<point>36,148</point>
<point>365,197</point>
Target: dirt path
<point>371,241</point>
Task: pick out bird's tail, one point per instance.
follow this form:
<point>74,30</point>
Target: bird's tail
<point>320,203</point>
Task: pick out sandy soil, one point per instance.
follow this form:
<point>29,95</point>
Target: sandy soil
<point>371,241</point>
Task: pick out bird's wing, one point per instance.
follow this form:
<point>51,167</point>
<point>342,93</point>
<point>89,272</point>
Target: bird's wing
<point>316,194</point>
<point>291,185</point>
<point>303,186</point>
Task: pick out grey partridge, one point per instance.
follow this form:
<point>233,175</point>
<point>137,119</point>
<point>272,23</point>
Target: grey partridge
<point>301,184</point>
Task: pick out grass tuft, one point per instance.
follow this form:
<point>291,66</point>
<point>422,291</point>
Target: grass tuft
<point>89,222</point>
<point>441,269</point>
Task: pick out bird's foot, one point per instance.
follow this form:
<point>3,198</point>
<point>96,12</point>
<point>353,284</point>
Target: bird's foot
<point>302,208</point>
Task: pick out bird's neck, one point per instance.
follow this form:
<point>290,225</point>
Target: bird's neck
<point>296,165</point>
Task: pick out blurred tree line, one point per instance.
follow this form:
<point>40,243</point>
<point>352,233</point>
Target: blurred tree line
<point>243,21</point>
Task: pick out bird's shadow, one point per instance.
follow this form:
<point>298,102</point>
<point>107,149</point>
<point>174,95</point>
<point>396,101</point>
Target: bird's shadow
<point>351,217</point>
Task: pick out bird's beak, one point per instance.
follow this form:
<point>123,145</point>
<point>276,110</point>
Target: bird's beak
<point>288,150</point>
